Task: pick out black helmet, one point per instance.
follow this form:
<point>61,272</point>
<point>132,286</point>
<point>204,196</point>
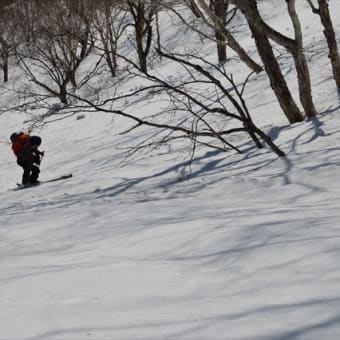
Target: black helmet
<point>35,140</point>
<point>14,135</point>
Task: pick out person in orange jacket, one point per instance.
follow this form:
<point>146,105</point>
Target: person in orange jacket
<point>25,148</point>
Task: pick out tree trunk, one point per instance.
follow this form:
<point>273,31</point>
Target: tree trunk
<point>323,12</point>
<point>220,8</point>
<point>277,81</point>
<point>305,87</point>
<point>194,9</point>
<point>331,40</point>
<point>232,43</point>
<point>5,71</point>
<point>63,93</point>
<point>294,46</point>
<point>142,54</point>
<point>143,30</point>
<point>4,65</point>
<point>221,48</point>
<point>4,55</point>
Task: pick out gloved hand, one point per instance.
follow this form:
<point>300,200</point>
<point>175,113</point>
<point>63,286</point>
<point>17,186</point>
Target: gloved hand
<point>36,156</point>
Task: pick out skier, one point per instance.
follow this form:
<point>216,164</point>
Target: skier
<point>25,148</point>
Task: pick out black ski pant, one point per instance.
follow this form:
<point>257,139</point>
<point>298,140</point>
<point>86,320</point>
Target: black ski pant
<point>31,172</point>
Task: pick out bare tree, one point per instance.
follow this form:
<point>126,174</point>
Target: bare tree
<point>323,11</point>
<point>194,8</point>
<point>206,111</point>
<point>110,23</point>
<point>296,49</point>
<point>62,40</point>
<point>7,40</point>
<point>4,56</point>
<point>143,13</point>
<point>214,21</point>
<point>237,101</point>
<point>265,50</point>
<point>220,9</point>
<point>28,15</point>
<point>294,46</point>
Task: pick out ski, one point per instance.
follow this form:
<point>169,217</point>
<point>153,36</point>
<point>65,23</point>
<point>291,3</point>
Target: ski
<point>26,186</point>
<point>58,178</point>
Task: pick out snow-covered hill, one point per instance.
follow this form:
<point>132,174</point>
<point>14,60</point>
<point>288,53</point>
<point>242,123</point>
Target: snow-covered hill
<point>144,247</point>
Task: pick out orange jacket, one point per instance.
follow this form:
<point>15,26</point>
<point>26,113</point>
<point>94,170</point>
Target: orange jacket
<point>19,142</point>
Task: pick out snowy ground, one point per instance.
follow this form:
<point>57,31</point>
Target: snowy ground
<point>243,247</point>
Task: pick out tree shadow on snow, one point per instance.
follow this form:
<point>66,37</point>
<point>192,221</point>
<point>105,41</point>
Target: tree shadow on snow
<point>191,327</point>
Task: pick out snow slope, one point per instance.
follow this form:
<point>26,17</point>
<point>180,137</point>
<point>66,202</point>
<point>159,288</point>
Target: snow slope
<point>242,247</point>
